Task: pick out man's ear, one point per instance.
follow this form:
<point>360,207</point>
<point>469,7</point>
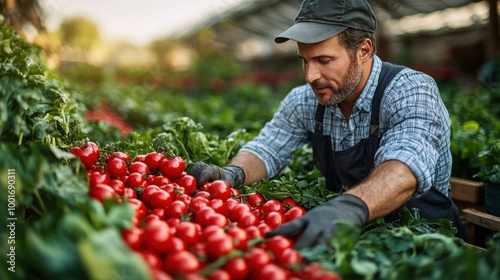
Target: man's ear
<point>365,50</point>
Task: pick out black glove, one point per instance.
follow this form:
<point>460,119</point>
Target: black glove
<point>318,225</point>
<point>233,175</point>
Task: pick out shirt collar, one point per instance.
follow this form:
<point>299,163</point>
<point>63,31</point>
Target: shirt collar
<point>364,101</point>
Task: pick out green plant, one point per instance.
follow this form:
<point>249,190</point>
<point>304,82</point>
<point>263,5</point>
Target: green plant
<point>489,160</point>
<point>467,141</point>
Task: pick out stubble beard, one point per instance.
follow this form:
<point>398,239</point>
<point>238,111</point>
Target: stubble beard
<point>349,82</point>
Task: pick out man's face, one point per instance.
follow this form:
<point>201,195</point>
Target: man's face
<point>330,70</point>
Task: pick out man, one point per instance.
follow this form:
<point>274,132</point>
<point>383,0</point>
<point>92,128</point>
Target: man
<point>379,130</point>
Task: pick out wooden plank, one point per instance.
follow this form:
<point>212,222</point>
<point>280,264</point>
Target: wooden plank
<point>467,190</point>
<point>482,219</point>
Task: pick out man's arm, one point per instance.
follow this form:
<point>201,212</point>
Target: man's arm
<point>389,186</point>
<point>252,166</point>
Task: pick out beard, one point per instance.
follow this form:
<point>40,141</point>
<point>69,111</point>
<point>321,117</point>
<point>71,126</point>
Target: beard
<point>349,82</point>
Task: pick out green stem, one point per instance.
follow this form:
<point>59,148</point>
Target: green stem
<point>40,201</point>
<point>36,210</point>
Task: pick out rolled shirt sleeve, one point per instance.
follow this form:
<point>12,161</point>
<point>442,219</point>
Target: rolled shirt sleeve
<point>416,129</point>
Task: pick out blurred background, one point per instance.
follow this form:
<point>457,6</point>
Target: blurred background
<point>146,62</point>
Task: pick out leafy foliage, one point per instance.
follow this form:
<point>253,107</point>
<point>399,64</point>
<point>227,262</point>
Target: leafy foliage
<point>60,230</point>
<point>34,106</point>
<point>409,248</point>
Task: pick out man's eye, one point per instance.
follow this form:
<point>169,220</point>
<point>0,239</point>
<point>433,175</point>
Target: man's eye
<point>324,60</point>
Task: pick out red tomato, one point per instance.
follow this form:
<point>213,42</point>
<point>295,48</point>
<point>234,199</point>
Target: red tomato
<point>160,212</point>
<point>129,193</point>
<point>253,232</point>
<point>257,258</point>
<point>172,189</point>
<point>219,244</point>
<point>161,199</point>
<point>203,215</point>
<point>176,245</point>
<point>148,192</point>
<point>288,257</point>
<point>316,272</point>
<point>118,186</point>
<point>247,219</point>
<point>199,249</point>
<point>184,198</point>
<point>294,213</point>
<point>98,178</point>
<point>172,167</point>
<point>209,230</point>
<point>139,158</point>
<point>189,184</point>
<point>238,210</point>
<point>272,271</point>
<point>275,219</point>
<point>288,203</point>
<point>240,238</point>
<point>133,237</point>
<point>188,232</point>
<point>157,237</point>
<point>102,192</point>
<point>258,213</point>
<point>197,203</point>
<point>139,207</point>
<point>255,199</point>
<point>237,268</point>
<point>272,205</point>
<point>218,205</point>
<point>173,222</point>
<point>231,202</point>
<point>150,218</point>
<point>219,189</point>
<point>122,156</point>
<point>152,260</point>
<point>177,209</point>
<point>153,160</point>
<point>161,181</point>
<point>135,180</point>
<point>139,167</point>
<point>181,262</point>
<point>159,274</point>
<point>217,219</point>
<point>204,187</point>
<point>204,194</point>
<point>263,228</point>
<point>117,167</point>
<point>219,274</point>
<point>277,244</point>
<point>88,153</point>
<point>235,192</point>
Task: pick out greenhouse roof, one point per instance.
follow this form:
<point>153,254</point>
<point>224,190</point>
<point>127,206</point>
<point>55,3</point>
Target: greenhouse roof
<point>264,19</point>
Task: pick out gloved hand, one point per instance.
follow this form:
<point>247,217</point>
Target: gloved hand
<point>233,175</point>
<point>318,225</point>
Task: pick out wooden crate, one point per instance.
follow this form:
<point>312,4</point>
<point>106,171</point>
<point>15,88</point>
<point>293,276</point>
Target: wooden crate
<point>467,190</point>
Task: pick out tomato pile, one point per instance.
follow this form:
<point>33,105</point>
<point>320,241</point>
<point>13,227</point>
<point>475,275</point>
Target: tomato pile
<point>185,232</point>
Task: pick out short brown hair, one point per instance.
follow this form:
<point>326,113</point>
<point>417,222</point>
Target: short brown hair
<point>352,38</point>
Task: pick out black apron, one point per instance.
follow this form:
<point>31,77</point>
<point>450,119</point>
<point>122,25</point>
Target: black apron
<point>344,169</point>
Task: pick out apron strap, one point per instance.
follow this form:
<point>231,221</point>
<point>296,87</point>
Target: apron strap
<point>320,114</point>
<point>389,70</point>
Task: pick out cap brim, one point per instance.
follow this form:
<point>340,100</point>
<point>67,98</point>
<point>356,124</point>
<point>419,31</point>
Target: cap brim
<point>309,32</point>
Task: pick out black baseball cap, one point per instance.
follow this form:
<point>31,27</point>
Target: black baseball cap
<point>319,20</point>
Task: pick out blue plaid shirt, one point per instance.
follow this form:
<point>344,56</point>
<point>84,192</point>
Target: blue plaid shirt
<point>414,123</point>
